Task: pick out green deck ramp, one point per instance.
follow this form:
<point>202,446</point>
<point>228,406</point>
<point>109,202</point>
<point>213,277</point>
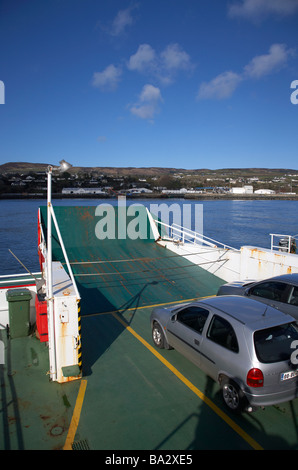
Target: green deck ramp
<point>118,274</point>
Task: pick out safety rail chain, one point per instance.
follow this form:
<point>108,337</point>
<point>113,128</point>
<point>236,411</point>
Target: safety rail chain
<point>187,235</point>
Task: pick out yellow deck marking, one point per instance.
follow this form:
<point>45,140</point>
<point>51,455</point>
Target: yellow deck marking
<point>192,387</point>
<point>80,398</point>
<point>121,310</point>
<point>76,416</point>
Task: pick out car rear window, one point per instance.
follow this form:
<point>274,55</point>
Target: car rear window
<point>274,344</point>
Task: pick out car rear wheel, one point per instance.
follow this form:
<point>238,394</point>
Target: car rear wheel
<point>232,395</point>
<point>158,336</point>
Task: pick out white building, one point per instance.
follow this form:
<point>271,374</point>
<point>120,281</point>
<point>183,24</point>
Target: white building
<point>175,191</point>
<point>83,191</point>
<point>243,190</point>
<point>264,191</point>
<point>139,190</point>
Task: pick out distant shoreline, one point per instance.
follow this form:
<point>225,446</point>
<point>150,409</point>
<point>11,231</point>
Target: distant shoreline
<point>189,196</point>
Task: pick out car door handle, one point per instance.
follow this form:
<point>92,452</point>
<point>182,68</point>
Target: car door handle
<point>197,342</point>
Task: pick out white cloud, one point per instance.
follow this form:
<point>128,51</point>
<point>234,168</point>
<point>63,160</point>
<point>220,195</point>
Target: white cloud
<point>108,79</point>
<point>148,103</point>
<point>224,85</point>
<point>175,58</point>
<point>150,93</point>
<point>122,20</point>
<point>161,66</point>
<point>257,9</point>
<point>265,64</point>
<point>145,111</point>
<point>143,60</point>
<point>221,87</point>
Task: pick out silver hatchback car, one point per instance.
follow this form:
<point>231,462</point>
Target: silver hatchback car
<point>280,292</point>
<point>244,345</point>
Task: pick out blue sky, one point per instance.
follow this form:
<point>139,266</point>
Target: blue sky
<point>166,83</point>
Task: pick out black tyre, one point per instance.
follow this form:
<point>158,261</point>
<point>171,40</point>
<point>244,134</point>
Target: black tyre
<point>158,336</point>
<point>232,396</point>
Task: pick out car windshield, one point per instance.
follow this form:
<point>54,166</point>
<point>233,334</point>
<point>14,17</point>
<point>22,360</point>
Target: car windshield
<point>274,344</point>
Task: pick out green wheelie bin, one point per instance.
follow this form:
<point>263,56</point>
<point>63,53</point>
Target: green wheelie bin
<point>19,312</point>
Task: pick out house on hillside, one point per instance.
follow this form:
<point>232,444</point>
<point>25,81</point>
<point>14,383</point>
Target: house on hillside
<point>79,191</point>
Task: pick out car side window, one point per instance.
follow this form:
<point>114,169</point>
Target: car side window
<point>293,298</point>
<point>194,317</point>
<point>221,332</point>
<point>270,290</point>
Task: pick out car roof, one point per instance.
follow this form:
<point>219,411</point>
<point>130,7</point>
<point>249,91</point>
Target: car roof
<point>289,278</point>
<point>249,312</point>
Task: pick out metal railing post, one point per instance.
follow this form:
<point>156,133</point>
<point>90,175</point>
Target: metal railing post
<point>51,322</point>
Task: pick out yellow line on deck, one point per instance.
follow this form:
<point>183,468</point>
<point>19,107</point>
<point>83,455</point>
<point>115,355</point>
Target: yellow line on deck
<point>76,416</point>
<point>122,310</point>
<point>80,398</point>
<point>192,387</point>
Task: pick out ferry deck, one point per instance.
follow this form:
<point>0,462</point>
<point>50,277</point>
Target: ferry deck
<point>131,396</point>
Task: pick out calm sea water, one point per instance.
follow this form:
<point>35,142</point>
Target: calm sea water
<point>234,223</point>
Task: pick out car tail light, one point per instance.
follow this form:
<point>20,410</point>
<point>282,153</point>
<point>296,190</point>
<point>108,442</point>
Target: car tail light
<point>255,378</point>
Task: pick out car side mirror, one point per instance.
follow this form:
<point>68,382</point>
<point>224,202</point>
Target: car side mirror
<point>247,292</point>
<point>174,317</point>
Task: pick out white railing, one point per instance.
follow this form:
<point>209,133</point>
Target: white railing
<point>70,272</point>
<point>285,243</point>
<point>182,234</point>
<point>24,277</point>
<point>43,249</point>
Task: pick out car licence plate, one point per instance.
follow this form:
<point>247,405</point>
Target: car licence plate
<point>289,375</point>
